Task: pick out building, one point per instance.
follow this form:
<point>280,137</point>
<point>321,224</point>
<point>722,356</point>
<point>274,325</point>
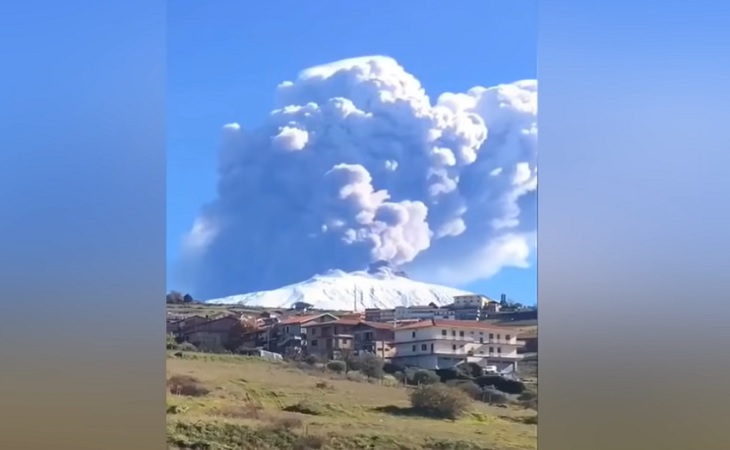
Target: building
<point>472,307</point>
<point>178,325</point>
<point>210,334</point>
<point>374,337</point>
<point>290,332</point>
<point>442,344</point>
<point>327,339</point>
<point>422,312</point>
<point>401,313</point>
<point>379,315</point>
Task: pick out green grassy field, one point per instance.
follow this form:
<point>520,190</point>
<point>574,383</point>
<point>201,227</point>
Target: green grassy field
<point>250,400</point>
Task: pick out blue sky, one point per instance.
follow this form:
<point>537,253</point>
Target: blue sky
<point>226,57</point>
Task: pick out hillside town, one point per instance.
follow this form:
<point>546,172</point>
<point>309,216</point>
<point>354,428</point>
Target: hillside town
<point>472,329</point>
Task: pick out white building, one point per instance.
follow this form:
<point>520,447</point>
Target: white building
<point>421,312</point>
<point>442,344</point>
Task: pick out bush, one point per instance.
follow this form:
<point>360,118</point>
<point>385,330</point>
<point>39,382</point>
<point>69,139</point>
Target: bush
<point>493,396</point>
<point>392,369</point>
<point>371,366</point>
<point>503,384</point>
<point>187,347</point>
<point>311,359</point>
<point>186,385</point>
<point>425,377</point>
<point>437,400</point>
<point>337,366</point>
<point>470,388</point>
<point>528,399</point>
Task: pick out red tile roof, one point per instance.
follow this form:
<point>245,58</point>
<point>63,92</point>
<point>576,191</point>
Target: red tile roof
<point>292,320</point>
<point>445,323</point>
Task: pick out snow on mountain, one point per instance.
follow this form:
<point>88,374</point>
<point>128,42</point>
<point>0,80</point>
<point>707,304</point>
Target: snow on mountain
<point>378,287</point>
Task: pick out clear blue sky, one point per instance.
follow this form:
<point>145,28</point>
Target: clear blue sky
<point>226,57</point>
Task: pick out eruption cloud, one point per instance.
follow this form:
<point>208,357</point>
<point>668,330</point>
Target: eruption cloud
<point>355,165</point>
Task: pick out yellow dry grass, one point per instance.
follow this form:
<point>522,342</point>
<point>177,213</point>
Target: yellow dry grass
<point>253,393</point>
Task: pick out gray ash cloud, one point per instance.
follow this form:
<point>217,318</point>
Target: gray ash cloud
<point>357,165</point>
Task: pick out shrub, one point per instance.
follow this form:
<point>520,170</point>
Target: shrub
<point>186,385</point>
<point>437,400</point>
<point>310,442</point>
<point>305,407</point>
<point>288,423</point>
<point>503,384</point>
<point>371,366</point>
<point>187,347</point>
<point>470,388</point>
<point>311,360</point>
<point>493,396</point>
<point>425,377</point>
<point>400,376</point>
<point>392,369</point>
<point>337,366</point>
<point>322,385</point>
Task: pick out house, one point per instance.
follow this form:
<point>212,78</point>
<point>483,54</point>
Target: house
<point>374,337</point>
<point>471,307</point>
<point>290,332</point>
<point>327,339</point>
<point>176,326</point>
<point>442,344</point>
<point>379,315</point>
<point>211,334</point>
<point>302,306</point>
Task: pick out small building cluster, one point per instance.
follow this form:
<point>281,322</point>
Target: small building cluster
<point>429,337</point>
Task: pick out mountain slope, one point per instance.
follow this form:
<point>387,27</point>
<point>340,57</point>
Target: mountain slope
<point>379,287</point>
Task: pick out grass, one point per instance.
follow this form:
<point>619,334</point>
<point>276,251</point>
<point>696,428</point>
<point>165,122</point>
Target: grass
<point>255,404</point>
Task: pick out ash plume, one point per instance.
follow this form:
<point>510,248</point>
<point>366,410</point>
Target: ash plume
<point>356,165</point>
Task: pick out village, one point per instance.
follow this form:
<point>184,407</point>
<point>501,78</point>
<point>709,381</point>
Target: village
<point>473,329</point>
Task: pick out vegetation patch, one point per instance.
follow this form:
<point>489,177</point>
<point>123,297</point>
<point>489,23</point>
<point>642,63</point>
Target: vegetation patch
<point>186,385</point>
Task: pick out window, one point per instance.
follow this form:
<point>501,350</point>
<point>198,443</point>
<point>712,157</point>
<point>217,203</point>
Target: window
<point>453,332</point>
<point>491,336</point>
<point>508,337</point>
<point>424,347</point>
<point>499,336</point>
<point>414,348</point>
<point>499,349</point>
<point>461,334</point>
<point>481,340</point>
<point>443,332</point>
<point>453,347</point>
<point>491,349</point>
<point>314,343</point>
<point>413,334</point>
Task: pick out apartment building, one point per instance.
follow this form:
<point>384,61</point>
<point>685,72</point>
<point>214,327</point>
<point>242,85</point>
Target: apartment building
<point>473,307</point>
<point>327,339</point>
<point>374,337</point>
<point>441,344</point>
<point>379,315</point>
<point>401,313</point>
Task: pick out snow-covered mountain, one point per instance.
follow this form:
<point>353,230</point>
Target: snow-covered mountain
<point>378,287</point>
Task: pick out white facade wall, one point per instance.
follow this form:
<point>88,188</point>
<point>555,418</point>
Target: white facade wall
<point>470,300</point>
<point>456,341</point>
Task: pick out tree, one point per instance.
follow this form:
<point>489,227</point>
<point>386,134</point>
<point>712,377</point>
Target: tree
<point>423,377</point>
<point>371,366</point>
<point>236,334</point>
<point>174,297</point>
<point>438,400</point>
<point>187,298</point>
<point>352,362</point>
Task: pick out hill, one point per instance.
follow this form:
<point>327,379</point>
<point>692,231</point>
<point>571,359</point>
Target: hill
<point>249,406</point>
<point>378,287</point>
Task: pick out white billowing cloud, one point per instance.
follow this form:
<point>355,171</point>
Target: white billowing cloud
<point>356,164</point>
